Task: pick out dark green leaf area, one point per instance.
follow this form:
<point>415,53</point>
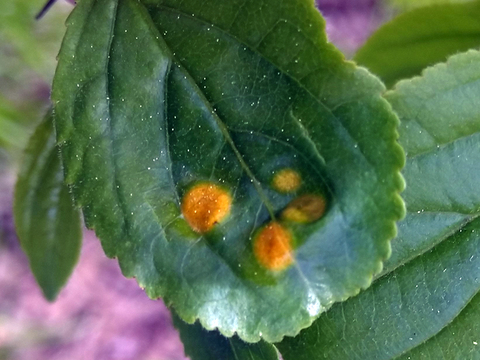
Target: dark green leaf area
<point>47,223</point>
<point>200,344</point>
<point>156,99</point>
<point>414,40</point>
<point>459,340</point>
<point>434,271</point>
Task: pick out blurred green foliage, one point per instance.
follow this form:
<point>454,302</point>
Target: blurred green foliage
<point>28,50</point>
<point>404,5</point>
<point>409,43</point>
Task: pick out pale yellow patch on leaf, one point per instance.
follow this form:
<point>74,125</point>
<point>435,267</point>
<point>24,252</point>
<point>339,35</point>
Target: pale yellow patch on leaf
<point>286,180</point>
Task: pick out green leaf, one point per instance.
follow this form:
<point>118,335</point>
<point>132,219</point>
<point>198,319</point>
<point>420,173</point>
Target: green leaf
<point>12,132</point>
<point>171,111</point>
<point>411,4</point>
<point>435,271</point>
<point>409,43</point>
<point>459,340</point>
<point>200,344</point>
<point>31,43</point>
<point>47,223</point>
<point>27,55</point>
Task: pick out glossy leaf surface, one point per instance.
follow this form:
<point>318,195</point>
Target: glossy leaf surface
<point>200,344</point>
<point>435,269</point>
<point>47,223</point>
<point>229,157</point>
<point>409,43</point>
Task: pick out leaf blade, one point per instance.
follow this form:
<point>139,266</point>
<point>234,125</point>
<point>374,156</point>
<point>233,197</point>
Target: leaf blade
<point>46,221</point>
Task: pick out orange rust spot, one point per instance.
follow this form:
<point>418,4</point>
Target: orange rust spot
<point>305,209</point>
<point>272,247</point>
<point>205,205</point>
<point>286,180</point>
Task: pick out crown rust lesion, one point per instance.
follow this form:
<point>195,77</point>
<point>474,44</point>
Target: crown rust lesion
<point>286,180</point>
<point>273,247</point>
<point>305,209</point>
<point>205,205</point>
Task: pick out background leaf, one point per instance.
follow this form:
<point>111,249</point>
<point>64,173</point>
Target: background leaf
<point>34,43</point>
<point>435,271</point>
<point>154,98</point>
<point>27,62</point>
<point>411,4</point>
<point>12,133</point>
<point>409,43</point>
<point>201,344</point>
<point>47,223</point>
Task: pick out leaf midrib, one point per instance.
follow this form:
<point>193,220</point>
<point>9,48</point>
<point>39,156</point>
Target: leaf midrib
<point>226,134</point>
<point>223,128</point>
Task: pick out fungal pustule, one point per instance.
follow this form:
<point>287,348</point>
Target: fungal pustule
<point>273,247</point>
<point>205,205</point>
<point>286,180</point>
<point>305,209</point>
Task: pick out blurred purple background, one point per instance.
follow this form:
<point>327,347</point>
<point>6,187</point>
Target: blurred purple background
<point>100,314</point>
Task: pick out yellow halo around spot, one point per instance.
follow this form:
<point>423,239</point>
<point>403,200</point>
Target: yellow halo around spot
<point>286,180</point>
<point>272,247</point>
<point>205,205</point>
<point>305,209</point>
